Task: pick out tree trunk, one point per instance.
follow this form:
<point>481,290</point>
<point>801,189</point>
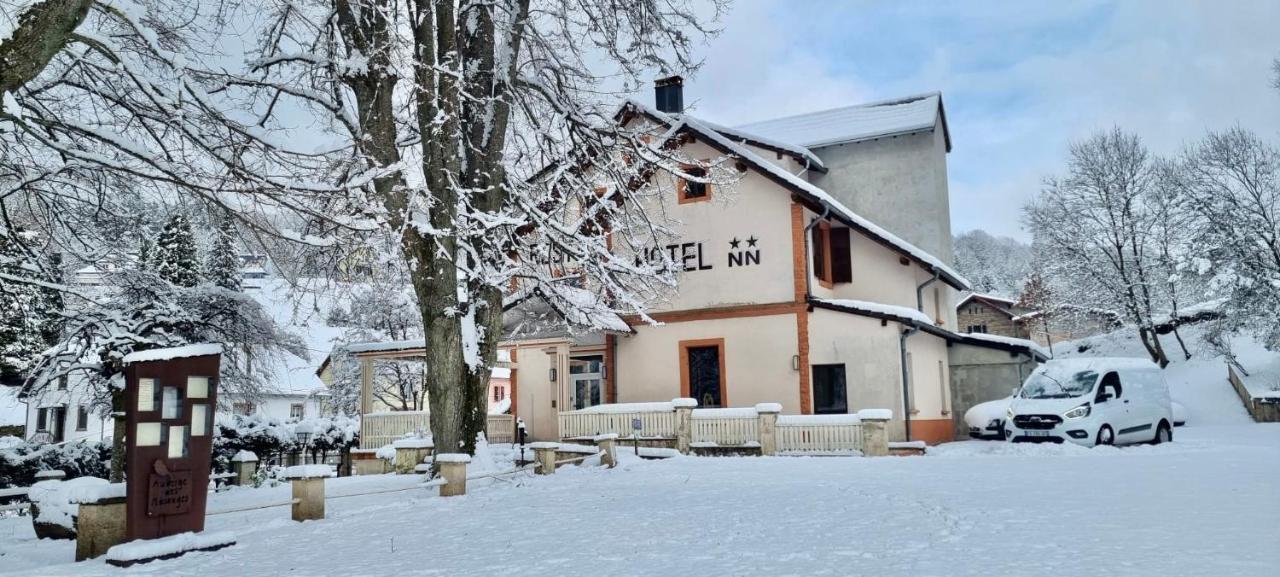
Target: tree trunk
<point>1151,341</point>
<point>43,31</point>
<point>1185,353</point>
<point>118,427</point>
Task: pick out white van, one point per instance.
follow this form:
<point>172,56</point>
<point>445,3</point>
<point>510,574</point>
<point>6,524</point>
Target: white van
<point>1092,401</point>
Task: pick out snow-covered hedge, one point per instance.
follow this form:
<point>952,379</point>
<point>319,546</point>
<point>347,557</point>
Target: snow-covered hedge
<point>271,439</point>
<point>19,463</point>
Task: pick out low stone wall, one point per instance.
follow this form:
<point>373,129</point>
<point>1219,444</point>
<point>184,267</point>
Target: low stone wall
<point>1262,410</point>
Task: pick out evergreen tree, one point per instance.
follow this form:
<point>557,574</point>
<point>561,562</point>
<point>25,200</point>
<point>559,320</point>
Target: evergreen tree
<point>174,255</point>
<point>51,307</point>
<point>222,266</point>
<point>20,338</point>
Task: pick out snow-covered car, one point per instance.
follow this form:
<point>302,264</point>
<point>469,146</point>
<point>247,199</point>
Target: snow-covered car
<point>1179,413</point>
<point>986,420</point>
<point>1093,401</point>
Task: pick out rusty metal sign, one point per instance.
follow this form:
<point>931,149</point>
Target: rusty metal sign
<point>168,438</point>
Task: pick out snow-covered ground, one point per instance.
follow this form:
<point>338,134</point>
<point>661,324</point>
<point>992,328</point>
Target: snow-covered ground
<point>12,411</point>
<point>1206,504</point>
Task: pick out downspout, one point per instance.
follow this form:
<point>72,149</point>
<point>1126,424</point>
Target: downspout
<point>906,383</point>
<point>808,262</point>
<point>921,287</point>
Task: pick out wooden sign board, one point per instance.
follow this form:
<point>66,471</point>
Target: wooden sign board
<point>168,439</point>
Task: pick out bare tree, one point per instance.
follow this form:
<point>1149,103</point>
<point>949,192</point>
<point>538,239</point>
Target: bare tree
<point>1095,228</point>
<point>489,128</point>
<point>1231,180</point>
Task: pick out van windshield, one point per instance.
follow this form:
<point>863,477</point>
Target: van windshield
<point>1043,385</point>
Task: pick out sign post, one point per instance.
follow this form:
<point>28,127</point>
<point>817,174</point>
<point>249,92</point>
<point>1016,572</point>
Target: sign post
<point>172,395</point>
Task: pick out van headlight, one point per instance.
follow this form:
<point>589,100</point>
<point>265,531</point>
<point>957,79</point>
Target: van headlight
<point>1078,412</point>
<point>1008,414</point>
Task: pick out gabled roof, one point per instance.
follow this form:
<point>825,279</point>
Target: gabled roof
<point>996,302</point>
<point>884,118</point>
<point>801,154</point>
<point>818,200</point>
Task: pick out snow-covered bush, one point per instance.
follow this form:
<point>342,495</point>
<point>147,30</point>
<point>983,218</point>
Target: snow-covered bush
<point>20,463</point>
<point>272,439</point>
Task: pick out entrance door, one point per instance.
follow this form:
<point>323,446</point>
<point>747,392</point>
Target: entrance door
<point>705,377</point>
<point>58,423</point>
<point>830,395</point>
<point>586,381</point>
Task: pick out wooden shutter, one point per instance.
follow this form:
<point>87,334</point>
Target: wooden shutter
<point>841,258</point>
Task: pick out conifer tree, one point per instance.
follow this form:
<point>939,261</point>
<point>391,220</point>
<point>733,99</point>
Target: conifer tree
<point>20,338</point>
<point>222,266</point>
<point>174,255</point>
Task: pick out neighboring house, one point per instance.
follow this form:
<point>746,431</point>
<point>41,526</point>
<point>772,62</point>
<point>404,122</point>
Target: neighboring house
<point>986,367</point>
<point>990,314</point>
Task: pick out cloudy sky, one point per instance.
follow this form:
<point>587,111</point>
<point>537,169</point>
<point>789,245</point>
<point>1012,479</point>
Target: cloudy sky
<point>1020,80</point>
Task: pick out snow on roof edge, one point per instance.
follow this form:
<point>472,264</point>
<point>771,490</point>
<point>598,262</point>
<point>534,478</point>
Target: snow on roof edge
<point>165,354</point>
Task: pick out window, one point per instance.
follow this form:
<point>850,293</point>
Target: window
<point>499,393</point>
<point>1109,388</point>
<point>841,255</point>
<point>297,411</point>
<point>830,394</point>
<point>82,418</point>
<point>691,191</point>
<point>42,419</point>
<point>976,329</point>
<point>62,383</point>
<point>242,408</point>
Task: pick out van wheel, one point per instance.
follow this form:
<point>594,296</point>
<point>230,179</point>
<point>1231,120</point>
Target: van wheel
<point>1105,436</point>
<point>1164,434</point>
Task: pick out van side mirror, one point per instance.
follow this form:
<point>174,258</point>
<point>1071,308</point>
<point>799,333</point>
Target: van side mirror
<point>1102,397</point>
<point>1013,392</point>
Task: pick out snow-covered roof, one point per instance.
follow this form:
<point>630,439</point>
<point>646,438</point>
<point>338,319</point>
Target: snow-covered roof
<point>857,123</point>
<point>170,353</point>
<point>1099,363</point>
<point>1011,341</point>
<point>736,134</point>
<point>820,197</point>
<point>879,309</point>
<point>983,296</point>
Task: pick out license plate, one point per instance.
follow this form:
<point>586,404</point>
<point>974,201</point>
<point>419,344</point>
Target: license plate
<point>1037,433</point>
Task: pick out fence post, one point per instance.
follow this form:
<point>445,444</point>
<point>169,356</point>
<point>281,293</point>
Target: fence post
<point>767,426</point>
<point>308,490</point>
<point>609,444</point>
<point>100,525</point>
<point>684,423</point>
<point>453,467</point>
<point>875,437</point>
<point>545,455</point>
<point>245,465</point>
<point>410,452</point>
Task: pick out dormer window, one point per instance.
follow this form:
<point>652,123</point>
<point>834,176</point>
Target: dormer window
<point>692,191</point>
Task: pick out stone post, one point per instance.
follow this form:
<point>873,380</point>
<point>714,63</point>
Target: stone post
<point>545,456</point>
<point>99,526</point>
<point>767,427</point>
<point>410,452</point>
<point>875,436</point>
<point>308,490</point>
<point>453,467</point>
<point>609,444</point>
<point>684,423</point>
<point>245,465</point>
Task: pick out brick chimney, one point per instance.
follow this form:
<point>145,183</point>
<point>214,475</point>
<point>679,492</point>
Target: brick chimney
<point>668,94</point>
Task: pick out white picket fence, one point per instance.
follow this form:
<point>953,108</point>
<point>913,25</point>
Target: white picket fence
<point>730,427</point>
<point>657,420</point>
<point>725,427</point>
<point>380,429</point>
<point>819,433</point>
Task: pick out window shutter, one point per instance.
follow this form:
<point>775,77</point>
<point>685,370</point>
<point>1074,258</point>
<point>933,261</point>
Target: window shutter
<point>841,258</point>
